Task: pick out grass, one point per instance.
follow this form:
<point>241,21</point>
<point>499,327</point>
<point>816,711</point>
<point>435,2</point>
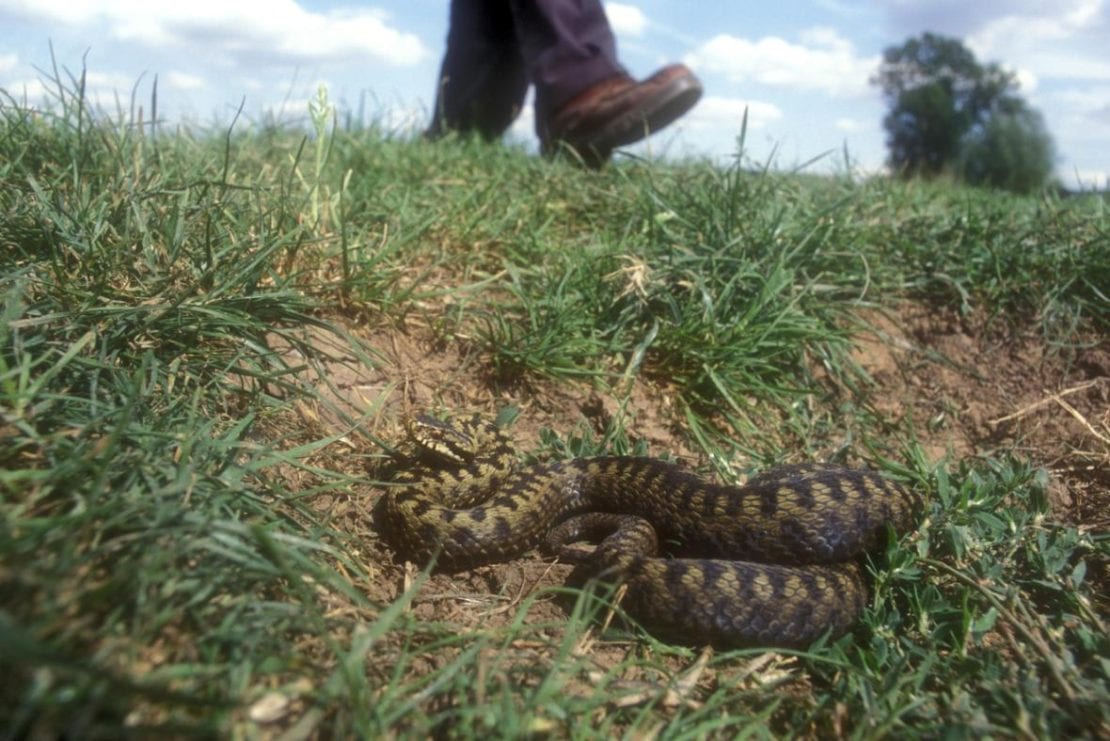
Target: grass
<point>168,560</point>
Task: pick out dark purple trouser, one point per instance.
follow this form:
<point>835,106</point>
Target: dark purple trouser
<point>496,48</point>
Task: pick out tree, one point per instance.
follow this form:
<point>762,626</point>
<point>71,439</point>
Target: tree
<point>948,113</point>
<point>1012,151</point>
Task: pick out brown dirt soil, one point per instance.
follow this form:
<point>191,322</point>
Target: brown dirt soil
<point>968,387</point>
<point>973,388</point>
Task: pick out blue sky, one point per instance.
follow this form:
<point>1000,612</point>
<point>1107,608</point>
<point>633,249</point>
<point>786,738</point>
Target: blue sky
<point>799,67</point>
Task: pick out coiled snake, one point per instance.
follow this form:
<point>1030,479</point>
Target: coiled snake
<point>771,562</point>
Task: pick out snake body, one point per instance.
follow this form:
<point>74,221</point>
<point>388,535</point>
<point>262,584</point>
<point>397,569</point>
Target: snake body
<point>770,562</point>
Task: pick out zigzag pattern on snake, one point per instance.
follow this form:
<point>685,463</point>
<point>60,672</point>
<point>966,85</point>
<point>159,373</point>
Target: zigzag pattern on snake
<point>771,562</point>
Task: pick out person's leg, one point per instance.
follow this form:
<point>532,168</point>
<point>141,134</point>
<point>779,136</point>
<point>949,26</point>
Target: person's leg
<point>567,46</point>
<point>482,80</point>
<point>584,98</point>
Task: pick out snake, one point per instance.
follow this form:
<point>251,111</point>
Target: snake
<point>772,562</point>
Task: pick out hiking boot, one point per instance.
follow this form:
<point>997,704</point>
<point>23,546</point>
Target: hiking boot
<point>620,111</point>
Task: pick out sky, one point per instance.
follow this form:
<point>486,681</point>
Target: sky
<point>800,69</point>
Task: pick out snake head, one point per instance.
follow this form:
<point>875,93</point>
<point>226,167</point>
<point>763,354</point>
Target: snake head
<point>432,437</point>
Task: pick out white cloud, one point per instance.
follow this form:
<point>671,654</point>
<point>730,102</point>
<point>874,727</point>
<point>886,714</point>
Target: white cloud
<point>1026,80</point>
<point>1011,31</point>
<point>105,88</point>
<point>825,61</point>
<point>30,91</point>
<point>714,112</point>
<point>107,91</point>
<point>848,125</point>
<point>8,62</point>
<point>1066,65</point>
<point>1080,117</point>
<point>1087,100</point>
<point>626,20</point>
<point>178,80</point>
<point>1091,179</point>
<point>63,11</point>
<point>280,30</point>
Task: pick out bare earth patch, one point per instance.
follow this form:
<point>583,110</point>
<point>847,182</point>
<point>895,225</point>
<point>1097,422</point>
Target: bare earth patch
<point>976,388</point>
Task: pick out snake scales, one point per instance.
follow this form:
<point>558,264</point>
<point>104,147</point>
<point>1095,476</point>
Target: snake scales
<point>772,562</point>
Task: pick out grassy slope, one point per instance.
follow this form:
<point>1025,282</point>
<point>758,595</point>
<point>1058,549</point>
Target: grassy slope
<point>157,571</point>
